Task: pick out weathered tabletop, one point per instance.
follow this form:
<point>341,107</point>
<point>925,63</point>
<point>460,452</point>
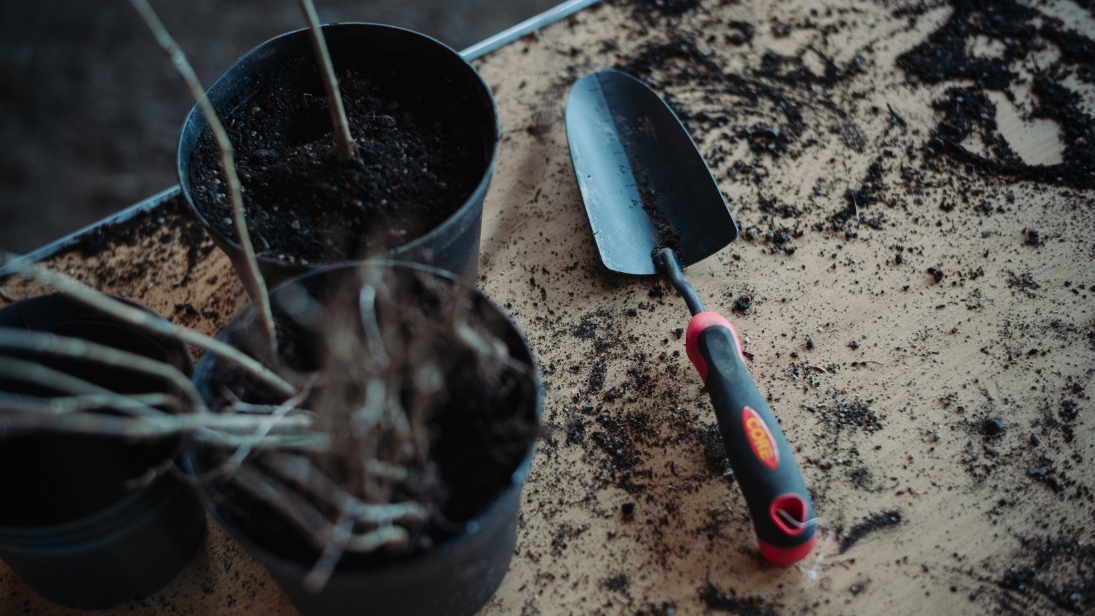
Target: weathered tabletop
<point>882,372</point>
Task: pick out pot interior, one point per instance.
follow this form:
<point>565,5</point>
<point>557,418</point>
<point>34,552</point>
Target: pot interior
<point>476,462</point>
<point>51,478</point>
<point>424,122</point>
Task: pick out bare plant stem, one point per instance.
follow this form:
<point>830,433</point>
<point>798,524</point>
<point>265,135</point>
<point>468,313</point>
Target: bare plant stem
<point>37,374</point>
<point>344,142</point>
<point>298,470</point>
<point>296,509</point>
<point>75,404</point>
<point>30,414</point>
<point>143,320</point>
<point>317,578</point>
<point>251,276</point>
<point>53,344</point>
<point>263,427</point>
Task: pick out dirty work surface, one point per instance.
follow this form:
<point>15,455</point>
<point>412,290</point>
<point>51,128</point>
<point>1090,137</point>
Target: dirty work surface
<point>913,289</point>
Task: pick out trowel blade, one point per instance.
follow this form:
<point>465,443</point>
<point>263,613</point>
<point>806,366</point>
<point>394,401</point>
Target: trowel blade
<point>644,183</point>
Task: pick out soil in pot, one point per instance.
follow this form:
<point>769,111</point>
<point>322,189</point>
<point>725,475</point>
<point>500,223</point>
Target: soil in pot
<point>481,417</point>
<point>412,171</point>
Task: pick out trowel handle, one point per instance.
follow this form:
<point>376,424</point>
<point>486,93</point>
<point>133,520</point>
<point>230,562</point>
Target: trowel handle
<point>758,452</point>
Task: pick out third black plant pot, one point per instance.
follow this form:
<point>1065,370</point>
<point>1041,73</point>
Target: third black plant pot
<point>69,525</point>
<point>427,132</point>
<point>457,575</point>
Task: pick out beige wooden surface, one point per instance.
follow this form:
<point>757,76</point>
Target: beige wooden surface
<point>894,424</point>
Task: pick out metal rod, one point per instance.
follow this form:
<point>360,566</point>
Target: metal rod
<point>666,262</point>
<point>528,26</point>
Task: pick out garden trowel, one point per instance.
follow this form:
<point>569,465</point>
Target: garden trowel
<point>655,208</point>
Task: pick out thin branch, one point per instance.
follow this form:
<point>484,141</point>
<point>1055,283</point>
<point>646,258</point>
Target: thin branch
<point>263,427</point>
<point>298,470</point>
<point>387,535</point>
<point>7,298</point>
<point>86,402</point>
<point>37,374</point>
<point>296,509</point>
<point>42,342</point>
<point>328,560</point>
<point>205,426</point>
<point>252,277</point>
<point>140,318</point>
<point>344,142</point>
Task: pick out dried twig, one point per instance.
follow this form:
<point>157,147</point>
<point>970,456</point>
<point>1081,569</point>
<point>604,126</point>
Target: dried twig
<point>33,413</point>
<point>344,143</point>
<point>72,404</point>
<point>298,470</point>
<point>53,344</point>
<point>328,560</point>
<point>37,374</point>
<point>251,276</point>
<point>263,427</point>
<point>139,318</point>
<point>298,511</point>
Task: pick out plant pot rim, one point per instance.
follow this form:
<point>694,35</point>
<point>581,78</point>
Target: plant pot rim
<point>440,550</point>
<point>417,243</point>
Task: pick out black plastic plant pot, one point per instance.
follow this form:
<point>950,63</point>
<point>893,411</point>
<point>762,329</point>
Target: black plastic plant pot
<point>455,577</point>
<point>421,69</point>
<point>69,525</point>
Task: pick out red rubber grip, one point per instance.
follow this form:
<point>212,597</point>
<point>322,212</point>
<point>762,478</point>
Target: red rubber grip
<point>699,323</point>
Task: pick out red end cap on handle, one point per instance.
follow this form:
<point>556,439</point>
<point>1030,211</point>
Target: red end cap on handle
<point>785,557</point>
<point>788,512</point>
<point>699,323</point>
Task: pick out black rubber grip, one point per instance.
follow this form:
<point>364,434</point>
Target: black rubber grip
<point>763,463</point>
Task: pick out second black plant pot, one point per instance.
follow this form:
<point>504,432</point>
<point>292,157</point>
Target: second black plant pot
<point>454,578</point>
<point>69,526</point>
<point>423,70</point>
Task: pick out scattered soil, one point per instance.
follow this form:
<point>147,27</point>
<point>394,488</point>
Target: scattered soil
<point>746,606</point>
<point>415,166</point>
<point>171,216</point>
<point>861,530</point>
<point>966,111</point>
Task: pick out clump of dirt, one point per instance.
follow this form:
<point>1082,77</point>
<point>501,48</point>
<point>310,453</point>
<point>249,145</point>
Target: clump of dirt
<point>1062,571</point>
<point>943,57</point>
<point>415,166</point>
<point>746,606</point>
<point>670,8</point>
<point>617,583</point>
<point>883,520</point>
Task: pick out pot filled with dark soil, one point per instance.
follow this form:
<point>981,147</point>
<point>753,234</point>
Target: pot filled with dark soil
<point>84,519</point>
<point>426,131</point>
<point>427,401</point>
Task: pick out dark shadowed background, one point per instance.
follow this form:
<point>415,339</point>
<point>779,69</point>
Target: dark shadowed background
<point>90,109</point>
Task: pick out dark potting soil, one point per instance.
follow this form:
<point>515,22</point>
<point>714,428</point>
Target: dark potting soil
<point>480,431</point>
<point>967,111</point>
<point>412,170</point>
<point>885,519</point>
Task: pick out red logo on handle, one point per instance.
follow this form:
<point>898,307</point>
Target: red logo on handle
<point>760,438</point>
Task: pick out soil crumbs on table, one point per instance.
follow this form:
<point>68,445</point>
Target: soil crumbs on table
<point>415,164</point>
<point>160,257</point>
<point>827,131</point>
